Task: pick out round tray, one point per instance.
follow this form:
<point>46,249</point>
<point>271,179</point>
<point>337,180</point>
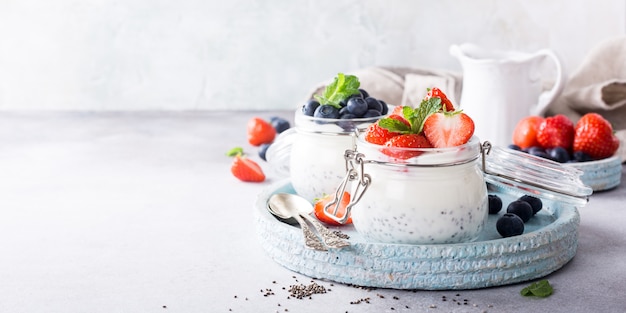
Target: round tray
<point>600,175</point>
<point>549,241</point>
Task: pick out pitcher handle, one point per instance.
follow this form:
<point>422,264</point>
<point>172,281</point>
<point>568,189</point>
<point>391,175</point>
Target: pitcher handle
<point>548,96</point>
<point>278,155</point>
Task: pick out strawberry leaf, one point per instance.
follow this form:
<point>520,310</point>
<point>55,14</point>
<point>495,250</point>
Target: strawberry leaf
<point>234,152</point>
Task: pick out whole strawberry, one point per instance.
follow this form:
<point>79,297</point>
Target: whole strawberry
<point>379,135</point>
<point>594,136</point>
<point>243,168</point>
<point>556,131</point>
<point>260,131</point>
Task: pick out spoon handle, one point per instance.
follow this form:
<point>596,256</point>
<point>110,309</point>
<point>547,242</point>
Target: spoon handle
<point>330,238</point>
<point>310,239</point>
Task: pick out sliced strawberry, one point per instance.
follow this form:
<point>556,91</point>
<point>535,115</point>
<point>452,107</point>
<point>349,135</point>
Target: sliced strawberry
<point>448,129</point>
<point>446,104</point>
<point>395,145</point>
<point>260,131</point>
<point>594,136</point>
<point>341,211</point>
<point>243,168</point>
<point>556,131</point>
<point>379,135</point>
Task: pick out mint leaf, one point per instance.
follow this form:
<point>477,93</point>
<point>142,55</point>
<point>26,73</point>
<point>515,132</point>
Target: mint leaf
<point>340,89</point>
<point>421,113</point>
<point>393,125</point>
<point>541,289</point>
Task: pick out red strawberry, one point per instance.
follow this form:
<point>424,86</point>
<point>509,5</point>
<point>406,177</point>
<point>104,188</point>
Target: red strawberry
<point>448,129</point>
<point>437,93</point>
<point>260,132</point>
<point>406,141</point>
<point>525,133</point>
<point>594,136</point>
<point>244,168</point>
<point>341,211</point>
<point>378,135</point>
<point>556,131</point>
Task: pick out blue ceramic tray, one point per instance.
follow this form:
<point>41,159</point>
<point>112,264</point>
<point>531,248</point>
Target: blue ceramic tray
<point>550,241</point>
<point>600,175</point>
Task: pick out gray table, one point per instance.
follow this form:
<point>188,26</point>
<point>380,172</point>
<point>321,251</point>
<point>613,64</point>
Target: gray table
<point>138,212</point>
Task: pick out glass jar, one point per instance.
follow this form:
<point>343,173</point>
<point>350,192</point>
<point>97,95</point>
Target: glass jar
<point>438,196</point>
<point>314,150</point>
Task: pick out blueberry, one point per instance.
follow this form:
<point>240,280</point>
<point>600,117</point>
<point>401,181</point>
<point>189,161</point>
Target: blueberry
<point>535,203</point>
<point>559,154</point>
<point>279,123</point>
<point>580,156</point>
<point>263,149</point>
<point>495,204</point>
<point>538,151</point>
<point>514,147</point>
<point>521,209</point>
<point>357,106</point>
<point>310,107</point>
<point>373,104</point>
<point>371,113</point>
<point>326,111</point>
<point>385,107</point>
<point>364,93</point>
<point>510,225</point>
<point>347,125</point>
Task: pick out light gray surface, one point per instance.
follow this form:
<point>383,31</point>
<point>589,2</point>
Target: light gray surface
<point>138,212</point>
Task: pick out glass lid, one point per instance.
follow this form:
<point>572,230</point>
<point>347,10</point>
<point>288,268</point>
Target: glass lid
<point>533,175</point>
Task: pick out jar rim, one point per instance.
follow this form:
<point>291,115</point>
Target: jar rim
<point>320,125</point>
<point>420,157</point>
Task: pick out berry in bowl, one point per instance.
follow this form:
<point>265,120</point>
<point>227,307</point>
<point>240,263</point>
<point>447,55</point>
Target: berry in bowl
<point>589,145</point>
<point>324,129</point>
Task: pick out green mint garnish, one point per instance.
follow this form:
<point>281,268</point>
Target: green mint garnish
<point>235,151</point>
<point>416,117</point>
<point>340,89</point>
<point>541,289</point>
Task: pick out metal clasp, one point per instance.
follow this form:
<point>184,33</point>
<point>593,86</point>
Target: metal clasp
<point>354,172</point>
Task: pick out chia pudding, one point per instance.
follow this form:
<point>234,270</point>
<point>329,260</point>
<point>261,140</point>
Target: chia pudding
<point>317,163</point>
<point>437,197</point>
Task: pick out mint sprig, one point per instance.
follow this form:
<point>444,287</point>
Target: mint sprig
<point>340,89</point>
<point>541,289</point>
<point>416,117</point>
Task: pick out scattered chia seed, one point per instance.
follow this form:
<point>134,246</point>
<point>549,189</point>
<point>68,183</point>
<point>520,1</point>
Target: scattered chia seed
<point>432,306</point>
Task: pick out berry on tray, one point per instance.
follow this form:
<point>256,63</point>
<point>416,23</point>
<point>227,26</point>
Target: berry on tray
<point>509,225</point>
<point>341,211</point>
<point>521,209</point>
<point>244,168</point>
<point>594,136</point>
<point>495,204</point>
<point>535,203</point>
<point>260,131</point>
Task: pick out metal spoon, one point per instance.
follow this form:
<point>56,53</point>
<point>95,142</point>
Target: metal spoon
<point>293,205</point>
<point>281,207</point>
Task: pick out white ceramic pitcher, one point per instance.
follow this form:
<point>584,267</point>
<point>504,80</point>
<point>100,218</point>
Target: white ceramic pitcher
<point>502,87</point>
